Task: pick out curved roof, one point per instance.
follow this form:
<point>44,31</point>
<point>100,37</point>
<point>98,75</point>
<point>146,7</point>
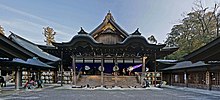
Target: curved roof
<point>10,49</point>
<point>127,39</point>
<point>133,43</point>
<point>89,39</point>
<point>78,38</point>
<point>32,47</point>
<point>139,39</point>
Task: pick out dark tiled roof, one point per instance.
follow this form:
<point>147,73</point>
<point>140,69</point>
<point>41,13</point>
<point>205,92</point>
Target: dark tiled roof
<point>186,65</point>
<point>207,52</point>
<point>10,49</point>
<point>127,41</point>
<point>36,62</point>
<point>32,48</point>
<point>166,61</point>
<point>179,65</point>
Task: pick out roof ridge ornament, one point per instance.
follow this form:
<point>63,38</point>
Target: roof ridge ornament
<point>82,31</point>
<point>136,32</point>
<point>108,17</point>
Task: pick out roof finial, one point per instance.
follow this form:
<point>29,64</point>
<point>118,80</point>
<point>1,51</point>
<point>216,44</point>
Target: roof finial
<point>82,31</point>
<point>108,16</point>
<point>136,32</point>
<point>109,13</point>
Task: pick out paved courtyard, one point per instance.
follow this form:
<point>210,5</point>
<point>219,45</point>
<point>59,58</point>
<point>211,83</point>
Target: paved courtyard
<point>78,94</point>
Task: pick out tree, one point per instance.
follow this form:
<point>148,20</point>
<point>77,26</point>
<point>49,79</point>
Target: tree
<point>49,34</point>
<point>152,39</point>
<point>2,30</point>
<point>196,29</point>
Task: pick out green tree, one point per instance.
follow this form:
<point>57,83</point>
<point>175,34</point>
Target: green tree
<point>196,29</point>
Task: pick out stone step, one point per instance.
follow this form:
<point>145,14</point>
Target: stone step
<point>95,80</point>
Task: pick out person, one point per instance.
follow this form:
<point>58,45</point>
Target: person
<point>30,83</point>
<point>124,71</point>
<point>2,81</point>
<point>39,84</point>
<point>130,68</point>
<point>33,78</point>
<point>146,83</point>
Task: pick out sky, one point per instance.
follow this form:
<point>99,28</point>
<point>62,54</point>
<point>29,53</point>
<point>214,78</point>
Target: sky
<point>27,18</point>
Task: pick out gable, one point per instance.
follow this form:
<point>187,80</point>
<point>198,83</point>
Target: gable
<point>108,32</point>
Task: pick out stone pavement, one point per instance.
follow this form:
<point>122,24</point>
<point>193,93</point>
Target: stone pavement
<point>10,89</point>
<point>69,87</point>
<point>195,90</point>
<point>68,93</point>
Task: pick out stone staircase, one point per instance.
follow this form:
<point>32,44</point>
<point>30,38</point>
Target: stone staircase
<point>109,81</point>
<point>92,80</point>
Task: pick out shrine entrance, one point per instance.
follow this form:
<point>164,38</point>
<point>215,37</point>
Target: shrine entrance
<point>108,51</point>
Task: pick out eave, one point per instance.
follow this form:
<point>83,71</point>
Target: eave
<point>210,51</point>
<point>13,50</point>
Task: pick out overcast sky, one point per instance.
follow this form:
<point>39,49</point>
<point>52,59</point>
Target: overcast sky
<point>153,17</point>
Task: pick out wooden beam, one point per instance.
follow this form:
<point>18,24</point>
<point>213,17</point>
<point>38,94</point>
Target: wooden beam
<point>143,69</point>
<point>61,68</point>
<point>102,69</point>
<point>74,69</point>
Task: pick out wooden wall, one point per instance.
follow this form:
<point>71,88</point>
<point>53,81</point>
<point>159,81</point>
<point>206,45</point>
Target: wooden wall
<point>109,38</point>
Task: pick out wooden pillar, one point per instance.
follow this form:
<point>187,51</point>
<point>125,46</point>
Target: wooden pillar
<point>74,70</point>
<point>133,60</point>
<point>38,74</point>
<point>171,78</point>
<point>143,69</point>
<point>0,75</point>
<point>186,78</point>
<point>102,69</point>
<point>155,69</point>
<point>61,68</point>
<point>208,80</point>
<point>18,81</point>
<point>55,76</point>
<point>84,71</point>
<point>124,63</point>
<point>116,72</point>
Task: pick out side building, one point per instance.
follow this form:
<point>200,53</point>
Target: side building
<point>201,68</point>
<point>15,59</point>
